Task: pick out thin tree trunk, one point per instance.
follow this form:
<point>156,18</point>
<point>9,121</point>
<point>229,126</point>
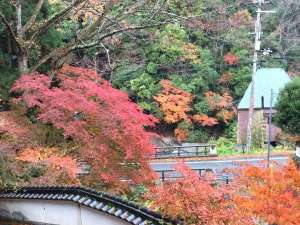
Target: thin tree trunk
<point>23,61</point>
<point>22,54</point>
<point>19,18</point>
<point>9,47</point>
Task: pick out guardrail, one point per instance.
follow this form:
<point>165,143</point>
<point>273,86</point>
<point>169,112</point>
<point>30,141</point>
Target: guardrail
<point>185,151</point>
<point>167,175</point>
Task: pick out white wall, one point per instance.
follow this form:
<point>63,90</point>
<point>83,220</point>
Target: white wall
<point>58,212</point>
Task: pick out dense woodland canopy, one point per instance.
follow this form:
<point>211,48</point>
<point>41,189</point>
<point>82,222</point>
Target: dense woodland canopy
<point>96,81</point>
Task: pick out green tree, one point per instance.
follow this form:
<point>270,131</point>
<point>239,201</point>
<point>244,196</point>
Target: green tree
<point>288,107</point>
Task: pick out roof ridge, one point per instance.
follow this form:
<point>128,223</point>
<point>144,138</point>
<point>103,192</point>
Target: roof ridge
<point>113,205</point>
<point>266,79</point>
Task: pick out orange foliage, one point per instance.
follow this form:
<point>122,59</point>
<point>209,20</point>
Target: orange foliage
<point>225,78</point>
<point>226,115</point>
<point>222,104</point>
<point>272,195</point>
<point>180,134</point>
<point>174,102</point>
<point>217,101</point>
<point>194,200</point>
<point>205,120</point>
<point>231,59</point>
<point>50,157</point>
<point>241,18</point>
<point>256,196</point>
<point>294,139</point>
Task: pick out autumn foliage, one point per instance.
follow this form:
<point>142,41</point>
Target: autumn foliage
<point>108,127</point>
<point>193,200</point>
<point>225,78</point>
<point>222,105</point>
<point>205,120</point>
<point>241,18</point>
<point>175,105</point>
<point>181,134</point>
<point>270,195</point>
<point>51,158</point>
<point>174,102</point>
<point>256,195</point>
<point>231,59</point>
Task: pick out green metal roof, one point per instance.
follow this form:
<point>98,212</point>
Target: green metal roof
<point>265,80</point>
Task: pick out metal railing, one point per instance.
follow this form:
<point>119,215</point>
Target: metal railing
<point>183,151</point>
<point>169,175</point>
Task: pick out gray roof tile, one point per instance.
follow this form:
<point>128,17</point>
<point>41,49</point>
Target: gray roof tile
<point>137,221</point>
<point>105,202</point>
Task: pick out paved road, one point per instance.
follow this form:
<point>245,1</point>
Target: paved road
<point>217,165</point>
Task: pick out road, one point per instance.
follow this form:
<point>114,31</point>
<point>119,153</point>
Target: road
<point>218,165</point>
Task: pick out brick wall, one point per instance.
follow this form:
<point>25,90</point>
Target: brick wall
<point>243,123</point>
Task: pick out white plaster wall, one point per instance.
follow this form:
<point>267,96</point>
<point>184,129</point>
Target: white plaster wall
<point>59,212</point>
<point>91,216</point>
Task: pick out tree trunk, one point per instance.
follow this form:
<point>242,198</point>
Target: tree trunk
<point>9,47</point>
<point>19,18</point>
<point>23,53</point>
<point>23,61</point>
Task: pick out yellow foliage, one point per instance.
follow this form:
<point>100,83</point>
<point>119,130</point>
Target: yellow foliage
<point>191,52</point>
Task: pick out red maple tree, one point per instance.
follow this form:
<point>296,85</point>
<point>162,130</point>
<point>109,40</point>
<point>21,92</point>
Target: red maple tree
<point>106,124</point>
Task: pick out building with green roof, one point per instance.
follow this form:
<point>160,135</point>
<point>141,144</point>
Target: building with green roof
<point>266,79</point>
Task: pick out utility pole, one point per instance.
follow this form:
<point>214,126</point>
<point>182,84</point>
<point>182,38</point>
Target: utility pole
<point>258,32</point>
<point>270,127</point>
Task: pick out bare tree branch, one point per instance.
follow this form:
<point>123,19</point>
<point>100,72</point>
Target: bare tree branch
<point>63,51</point>
<point>10,29</point>
<point>98,42</point>
<point>108,60</point>
<point>45,26</point>
<point>32,19</point>
<point>56,53</point>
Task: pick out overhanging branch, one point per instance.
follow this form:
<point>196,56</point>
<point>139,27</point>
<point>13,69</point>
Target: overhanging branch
<point>63,51</point>
<point>98,42</point>
<point>45,26</point>
<point>32,19</point>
